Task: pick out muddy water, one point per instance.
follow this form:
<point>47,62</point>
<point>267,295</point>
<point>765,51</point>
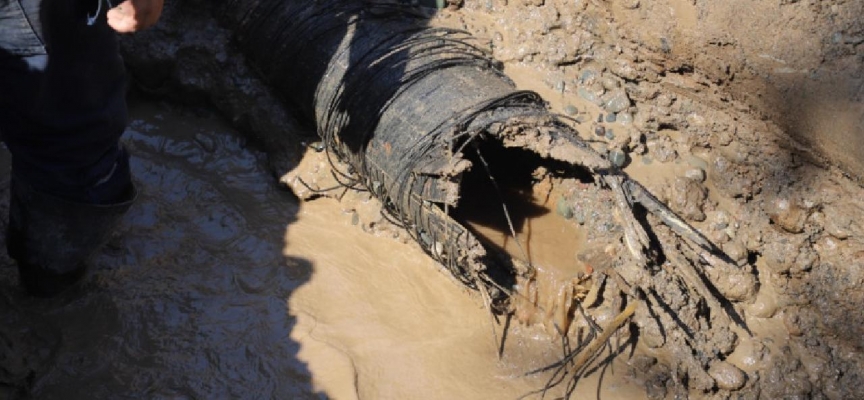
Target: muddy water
<point>220,285</point>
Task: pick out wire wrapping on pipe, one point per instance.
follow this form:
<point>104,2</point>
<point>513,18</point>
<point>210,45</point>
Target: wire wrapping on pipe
<point>395,100</point>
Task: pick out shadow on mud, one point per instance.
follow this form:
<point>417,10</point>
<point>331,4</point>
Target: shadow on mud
<point>188,299</point>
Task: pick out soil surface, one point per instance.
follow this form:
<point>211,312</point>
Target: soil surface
<point>744,117</point>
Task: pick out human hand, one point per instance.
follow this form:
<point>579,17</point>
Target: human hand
<point>134,15</point>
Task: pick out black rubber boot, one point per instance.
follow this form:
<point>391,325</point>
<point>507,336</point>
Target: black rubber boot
<point>51,238</point>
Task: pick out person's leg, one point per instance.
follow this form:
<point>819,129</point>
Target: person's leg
<point>62,111</point>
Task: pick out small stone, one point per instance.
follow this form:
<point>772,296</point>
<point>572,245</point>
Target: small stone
<point>600,130</point>
<point>618,157</point>
<point>588,76</point>
<point>721,220</point>
<point>698,163</point>
<point>727,376</point>
<point>630,4</point>
<point>610,83</point>
<point>610,134</point>
<point>625,118</point>
<point>688,199</point>
<point>616,101</point>
<point>571,109</point>
<point>355,219</point>
<point>611,117</point>
<point>736,251</point>
<point>695,174</point>
<point>738,285</point>
<point>587,95</point>
<point>838,224</point>
<point>788,215</point>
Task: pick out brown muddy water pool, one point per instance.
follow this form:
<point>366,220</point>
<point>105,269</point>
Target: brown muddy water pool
<point>220,284</point>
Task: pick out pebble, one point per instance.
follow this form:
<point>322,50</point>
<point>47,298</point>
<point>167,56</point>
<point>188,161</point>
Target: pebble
<point>788,216</point>
<point>587,95</point>
<point>727,376</point>
<point>625,118</point>
<point>611,117</point>
<point>588,76</point>
<point>571,109</point>
<point>721,220</point>
<point>617,157</point>
<point>695,174</point>
<point>698,163</point>
<point>610,83</point>
<point>738,285</point>
<point>736,251</point>
<point>609,134</point>
<point>688,199</point>
<point>616,101</point>
<point>630,4</point>
<point>600,130</point>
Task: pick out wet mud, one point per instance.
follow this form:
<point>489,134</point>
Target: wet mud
<point>221,284</point>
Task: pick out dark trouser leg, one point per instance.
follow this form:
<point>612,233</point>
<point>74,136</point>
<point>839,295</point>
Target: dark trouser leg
<point>61,115</point>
